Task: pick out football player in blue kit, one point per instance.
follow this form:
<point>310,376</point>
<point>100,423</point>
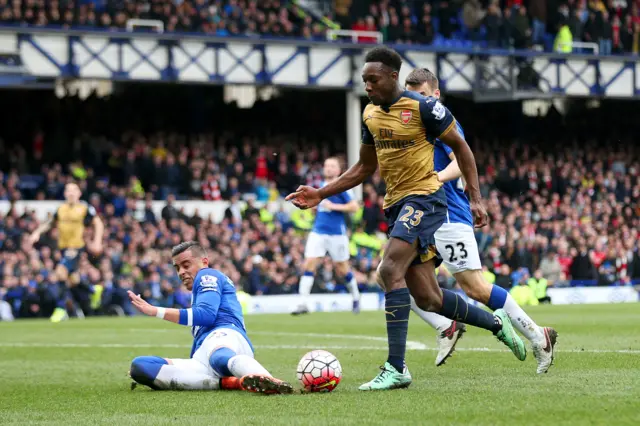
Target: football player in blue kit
<point>222,355</point>
<point>329,235</point>
<point>457,246</point>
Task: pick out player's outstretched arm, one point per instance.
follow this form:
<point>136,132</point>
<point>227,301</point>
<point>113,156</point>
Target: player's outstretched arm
<point>42,229</point>
<point>358,173</point>
<point>350,207</point>
<point>98,234</point>
<point>467,164</point>
<point>451,172</point>
<point>203,313</point>
<point>307,197</point>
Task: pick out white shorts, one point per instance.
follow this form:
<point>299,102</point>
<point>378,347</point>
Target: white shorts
<point>196,373</point>
<point>319,245</point>
<point>457,246</point>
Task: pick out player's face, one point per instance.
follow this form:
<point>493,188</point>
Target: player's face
<point>187,266</point>
<point>331,169</point>
<point>72,193</point>
<point>379,82</point>
<point>424,90</point>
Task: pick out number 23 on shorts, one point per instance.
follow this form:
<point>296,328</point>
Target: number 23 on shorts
<point>452,252</point>
<point>411,216</point>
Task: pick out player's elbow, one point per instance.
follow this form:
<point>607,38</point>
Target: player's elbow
<point>366,168</point>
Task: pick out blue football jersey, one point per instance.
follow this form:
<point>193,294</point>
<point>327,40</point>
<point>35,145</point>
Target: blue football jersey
<point>214,305</point>
<point>457,201</point>
<point>330,222</point>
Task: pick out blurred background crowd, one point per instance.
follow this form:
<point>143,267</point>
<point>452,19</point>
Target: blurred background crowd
<point>562,191</point>
<point>612,25</point>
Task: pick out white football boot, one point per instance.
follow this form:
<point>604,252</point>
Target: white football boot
<point>543,350</point>
<point>447,340</point>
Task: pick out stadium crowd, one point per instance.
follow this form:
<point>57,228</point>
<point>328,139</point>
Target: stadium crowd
<point>614,25</point>
<point>567,216</point>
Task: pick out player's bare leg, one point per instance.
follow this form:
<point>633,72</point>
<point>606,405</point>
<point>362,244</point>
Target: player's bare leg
<point>429,297</point>
<point>398,256</point>
<point>306,284</point>
<point>543,339</point>
<point>343,269</point>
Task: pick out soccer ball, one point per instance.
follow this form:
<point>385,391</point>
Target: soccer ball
<point>319,371</point>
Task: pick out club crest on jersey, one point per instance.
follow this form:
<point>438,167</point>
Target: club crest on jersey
<point>405,116</point>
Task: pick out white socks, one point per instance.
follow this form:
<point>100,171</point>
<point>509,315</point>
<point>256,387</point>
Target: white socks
<point>241,365</point>
<point>352,285</point>
<point>304,288</point>
<point>522,322</point>
<point>179,378</point>
<point>436,321</point>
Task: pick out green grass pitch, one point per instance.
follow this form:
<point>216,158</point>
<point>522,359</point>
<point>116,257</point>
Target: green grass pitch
<point>75,373</point>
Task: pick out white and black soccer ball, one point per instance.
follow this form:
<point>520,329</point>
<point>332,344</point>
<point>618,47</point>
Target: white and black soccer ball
<point>319,371</point>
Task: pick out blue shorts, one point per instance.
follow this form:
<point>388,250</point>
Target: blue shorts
<point>418,217</point>
<point>71,259</point>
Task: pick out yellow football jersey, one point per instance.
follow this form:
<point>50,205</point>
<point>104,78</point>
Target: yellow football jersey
<point>404,135</point>
<point>71,220</point>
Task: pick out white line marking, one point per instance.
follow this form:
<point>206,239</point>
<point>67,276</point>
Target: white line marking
<point>362,348</point>
<point>410,344</point>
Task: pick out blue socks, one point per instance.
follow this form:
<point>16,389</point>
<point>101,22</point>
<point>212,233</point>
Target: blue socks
<point>497,298</point>
<point>397,307</point>
<point>145,369</point>
<point>457,309</point>
<point>219,361</point>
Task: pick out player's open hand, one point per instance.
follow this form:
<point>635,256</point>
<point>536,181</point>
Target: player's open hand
<point>305,197</point>
<point>140,304</point>
<point>480,216</point>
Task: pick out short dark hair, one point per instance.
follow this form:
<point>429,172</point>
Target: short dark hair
<point>386,56</point>
<point>419,76</point>
<point>195,247</point>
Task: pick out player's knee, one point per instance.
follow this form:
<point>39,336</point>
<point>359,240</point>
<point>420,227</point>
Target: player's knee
<point>219,361</point>
<point>145,369</point>
<point>390,274</point>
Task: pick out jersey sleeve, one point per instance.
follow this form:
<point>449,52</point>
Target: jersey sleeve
<point>367,137</point>
<point>91,213</point>
<point>205,309</point>
<point>446,147</point>
<point>346,197</point>
<point>436,118</point>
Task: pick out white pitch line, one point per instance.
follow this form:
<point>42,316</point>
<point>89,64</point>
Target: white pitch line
<point>410,344</point>
<point>363,348</point>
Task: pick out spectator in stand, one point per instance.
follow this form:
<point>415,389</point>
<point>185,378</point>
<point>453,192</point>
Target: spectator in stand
<point>538,12</point>
<point>493,24</point>
<point>605,40</point>
<point>522,29</point>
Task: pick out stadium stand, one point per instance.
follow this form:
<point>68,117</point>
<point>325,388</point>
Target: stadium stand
<point>608,27</point>
<point>567,215</point>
